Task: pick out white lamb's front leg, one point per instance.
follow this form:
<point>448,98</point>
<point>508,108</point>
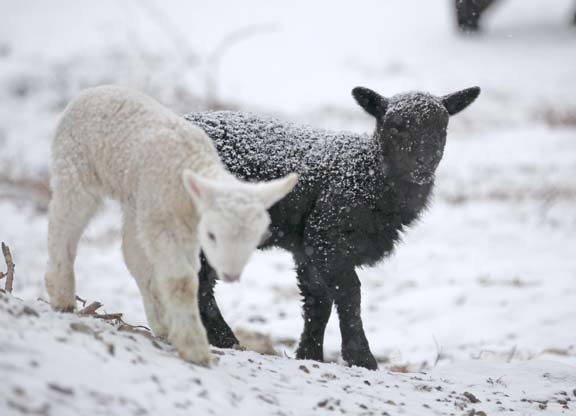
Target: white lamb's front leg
<point>176,269</point>
<point>186,332</point>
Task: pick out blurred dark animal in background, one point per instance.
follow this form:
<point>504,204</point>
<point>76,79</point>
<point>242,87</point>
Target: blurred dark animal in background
<point>469,13</point>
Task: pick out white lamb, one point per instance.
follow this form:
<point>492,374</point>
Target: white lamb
<point>177,198</point>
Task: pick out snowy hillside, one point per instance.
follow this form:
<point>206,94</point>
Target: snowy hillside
<point>476,304</point>
<point>65,365</point>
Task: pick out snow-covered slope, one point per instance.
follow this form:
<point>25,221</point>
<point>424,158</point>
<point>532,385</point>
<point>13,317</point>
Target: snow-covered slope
<point>61,364</point>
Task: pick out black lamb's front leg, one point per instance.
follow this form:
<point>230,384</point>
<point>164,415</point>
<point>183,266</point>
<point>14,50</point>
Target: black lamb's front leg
<point>219,333</point>
<point>317,308</point>
<point>347,296</point>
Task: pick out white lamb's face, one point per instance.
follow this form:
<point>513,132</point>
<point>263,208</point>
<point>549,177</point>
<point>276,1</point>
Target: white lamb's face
<point>229,235</point>
<point>233,218</point>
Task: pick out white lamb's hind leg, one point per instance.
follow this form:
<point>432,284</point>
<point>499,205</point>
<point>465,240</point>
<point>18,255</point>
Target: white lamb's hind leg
<point>70,210</point>
<point>176,277</point>
<point>142,271</point>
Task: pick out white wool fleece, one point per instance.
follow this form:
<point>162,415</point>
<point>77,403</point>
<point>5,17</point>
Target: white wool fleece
<point>177,198</point>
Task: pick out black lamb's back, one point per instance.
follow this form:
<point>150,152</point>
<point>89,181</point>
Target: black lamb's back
<point>345,206</point>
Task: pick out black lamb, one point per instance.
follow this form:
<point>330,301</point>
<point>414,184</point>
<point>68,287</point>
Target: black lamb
<point>355,195</point>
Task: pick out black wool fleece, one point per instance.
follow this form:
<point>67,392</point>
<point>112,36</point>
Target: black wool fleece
<point>355,195</point>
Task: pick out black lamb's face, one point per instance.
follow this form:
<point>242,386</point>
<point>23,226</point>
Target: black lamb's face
<point>413,130</point>
<point>411,127</point>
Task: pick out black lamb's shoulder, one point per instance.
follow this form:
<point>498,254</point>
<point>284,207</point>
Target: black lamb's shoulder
<point>252,147</point>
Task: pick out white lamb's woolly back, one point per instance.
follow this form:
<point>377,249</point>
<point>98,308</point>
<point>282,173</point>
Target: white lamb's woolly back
<point>128,137</point>
<point>177,199</point>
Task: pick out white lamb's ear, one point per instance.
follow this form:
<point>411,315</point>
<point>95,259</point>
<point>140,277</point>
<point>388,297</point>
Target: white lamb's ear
<point>200,189</point>
<point>273,191</point>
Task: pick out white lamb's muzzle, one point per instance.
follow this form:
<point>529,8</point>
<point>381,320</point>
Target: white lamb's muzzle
<point>229,277</point>
<point>231,269</point>
<point>230,274</point>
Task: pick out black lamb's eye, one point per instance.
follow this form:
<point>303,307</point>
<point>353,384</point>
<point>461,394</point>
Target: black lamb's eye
<point>211,236</point>
<point>397,128</point>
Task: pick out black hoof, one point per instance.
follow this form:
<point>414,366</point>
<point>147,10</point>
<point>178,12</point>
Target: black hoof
<point>469,28</point>
<point>308,352</point>
<point>361,359</point>
<point>222,339</point>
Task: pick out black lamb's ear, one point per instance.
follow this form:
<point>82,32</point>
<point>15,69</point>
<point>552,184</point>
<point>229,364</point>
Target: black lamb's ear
<point>372,102</point>
<point>458,101</point>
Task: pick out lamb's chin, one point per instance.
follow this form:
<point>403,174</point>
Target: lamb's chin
<point>228,278</point>
<point>422,179</point>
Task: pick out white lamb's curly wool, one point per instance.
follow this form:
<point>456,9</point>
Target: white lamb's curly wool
<point>116,142</point>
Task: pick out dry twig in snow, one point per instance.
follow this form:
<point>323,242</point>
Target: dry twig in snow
<point>9,275</point>
<point>90,309</point>
<point>109,316</point>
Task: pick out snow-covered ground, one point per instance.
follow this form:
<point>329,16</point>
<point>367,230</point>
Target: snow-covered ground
<point>478,298</point>
<point>66,365</point>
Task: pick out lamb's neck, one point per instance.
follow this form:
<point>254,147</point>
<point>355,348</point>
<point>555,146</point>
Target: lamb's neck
<point>410,198</point>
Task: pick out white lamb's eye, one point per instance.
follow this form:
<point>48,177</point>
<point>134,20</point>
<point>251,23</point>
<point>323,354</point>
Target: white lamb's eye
<point>211,236</point>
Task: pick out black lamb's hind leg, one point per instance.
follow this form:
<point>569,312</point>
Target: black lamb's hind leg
<point>317,308</point>
<point>219,333</point>
<point>347,296</point>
